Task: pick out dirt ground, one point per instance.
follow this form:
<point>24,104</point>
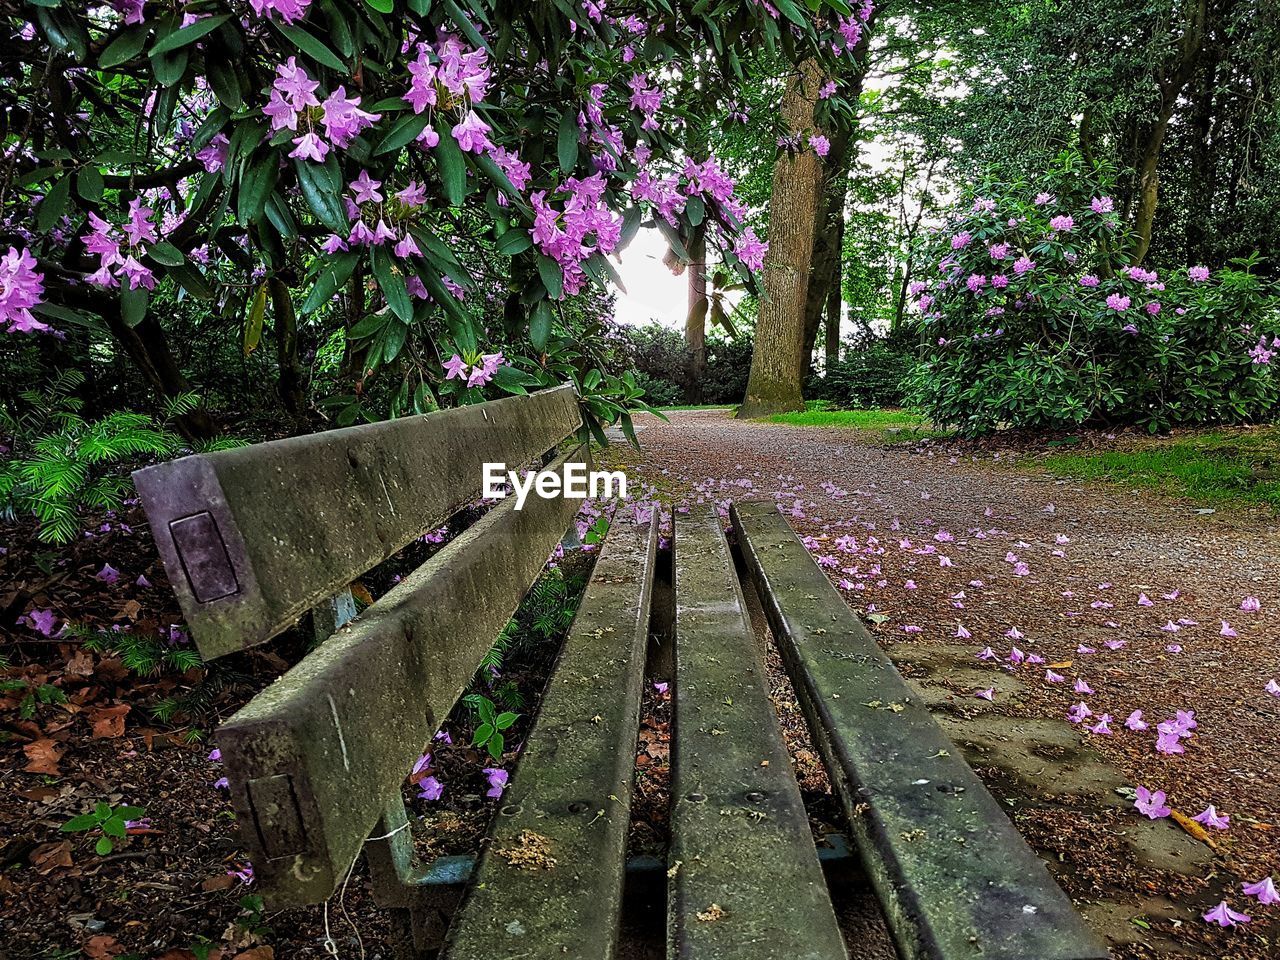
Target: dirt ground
<point>939,534</point>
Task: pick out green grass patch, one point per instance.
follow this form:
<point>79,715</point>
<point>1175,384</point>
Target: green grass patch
<point>851,419</point>
<point>1221,467</point>
<point>892,426</point>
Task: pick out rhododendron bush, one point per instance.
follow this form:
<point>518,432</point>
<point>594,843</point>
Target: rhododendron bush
<point>438,185</point>
<point>1033,314</point>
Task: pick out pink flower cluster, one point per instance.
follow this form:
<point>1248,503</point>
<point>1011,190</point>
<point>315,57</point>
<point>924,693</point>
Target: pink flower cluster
<point>646,99</point>
<point>293,97</point>
<point>586,226</point>
<point>451,75</point>
<point>289,10</point>
<point>115,262</point>
<point>21,288</point>
<point>476,370</point>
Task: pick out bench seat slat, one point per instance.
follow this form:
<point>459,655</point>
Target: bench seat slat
<point>746,883</point>
<point>253,537</point>
<point>313,758</point>
<point>953,875</point>
<point>549,883</point>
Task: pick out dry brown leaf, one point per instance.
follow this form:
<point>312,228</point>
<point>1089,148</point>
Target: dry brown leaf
<point>102,947</point>
<point>43,757</point>
<point>80,664</point>
<point>130,610</point>
<point>257,953</point>
<point>108,722</point>
<point>221,882</point>
<point>1193,828</point>
<point>49,856</point>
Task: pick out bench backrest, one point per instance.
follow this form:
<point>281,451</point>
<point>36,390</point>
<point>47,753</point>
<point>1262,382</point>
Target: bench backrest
<point>253,537</point>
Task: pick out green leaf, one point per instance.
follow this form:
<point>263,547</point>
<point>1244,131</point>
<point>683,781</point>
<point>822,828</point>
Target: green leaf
<point>133,305</point>
<point>552,276</point>
<point>86,821</point>
<point>255,184</point>
<point>312,47</point>
<point>166,253</point>
<point>192,281</point>
<point>453,169</point>
<point>124,47</point>
<point>695,210</point>
<point>54,204</point>
<point>482,735</point>
<point>225,80</point>
<point>104,846</point>
<point>257,314</point>
<point>189,34</point>
<point>392,284</point>
<point>336,272</point>
<point>89,184</point>
<point>516,240</point>
<point>504,720</point>
<point>382,6</point>
<point>322,193</point>
<point>540,324</point>
<point>567,141</point>
<point>496,743</point>
<point>114,827</point>
<point>405,131</point>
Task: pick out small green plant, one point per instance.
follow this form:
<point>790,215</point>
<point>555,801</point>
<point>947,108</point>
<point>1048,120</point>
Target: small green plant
<point>112,821</point>
<point>253,918</point>
<point>60,460</point>
<point>37,695</point>
<point>489,733</point>
<point>597,531</point>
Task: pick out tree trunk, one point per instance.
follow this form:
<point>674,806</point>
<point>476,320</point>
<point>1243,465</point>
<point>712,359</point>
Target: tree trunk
<point>777,360</point>
<point>695,321</point>
<point>1147,166</point>
<point>827,242</point>
<point>835,309</point>
<point>290,384</point>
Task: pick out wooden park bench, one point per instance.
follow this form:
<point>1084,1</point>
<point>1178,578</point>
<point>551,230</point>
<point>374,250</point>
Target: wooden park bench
<point>254,537</point>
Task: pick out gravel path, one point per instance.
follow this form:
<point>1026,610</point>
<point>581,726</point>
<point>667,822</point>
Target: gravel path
<point>950,551</point>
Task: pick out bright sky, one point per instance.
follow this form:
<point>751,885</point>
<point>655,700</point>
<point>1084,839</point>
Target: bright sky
<point>653,292</point>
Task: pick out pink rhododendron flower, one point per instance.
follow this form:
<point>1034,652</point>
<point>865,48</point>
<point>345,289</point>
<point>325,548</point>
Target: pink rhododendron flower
<point>1211,818</point>
<point>1151,804</point>
<point>289,10</point>
<point>497,781</point>
<point>1264,890</point>
<point>1198,274</point>
<point>431,789</point>
<point>1135,722</point>
<point>21,288</point>
<point>1224,916</point>
<point>1102,204</point>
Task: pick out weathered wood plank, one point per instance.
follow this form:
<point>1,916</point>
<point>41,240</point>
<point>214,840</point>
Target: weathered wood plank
<point>568,807</point>
<point>745,881</point>
<point>253,537</point>
<point>313,759</point>
<point>954,877</point>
